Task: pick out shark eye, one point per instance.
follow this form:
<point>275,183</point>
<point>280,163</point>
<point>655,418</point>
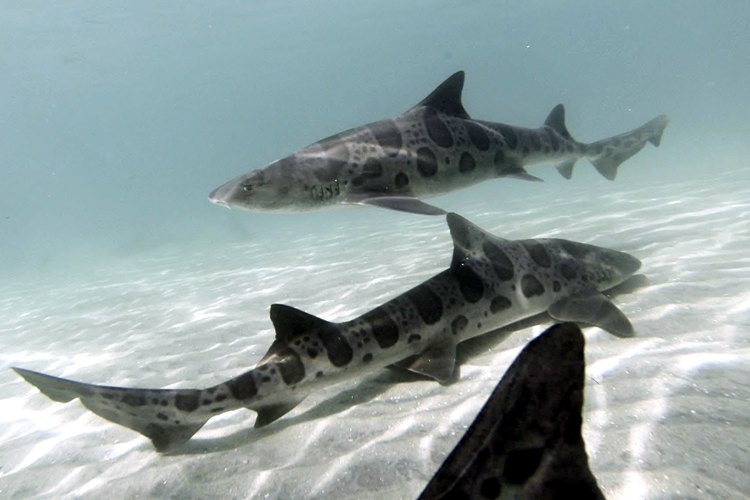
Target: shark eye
<point>247,188</point>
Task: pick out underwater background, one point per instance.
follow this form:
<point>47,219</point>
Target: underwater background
<point>118,119</point>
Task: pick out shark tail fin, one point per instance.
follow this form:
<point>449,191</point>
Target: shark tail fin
<point>168,417</point>
<point>606,155</point>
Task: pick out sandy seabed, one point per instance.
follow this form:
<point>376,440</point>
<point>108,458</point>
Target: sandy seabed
<point>667,413</point>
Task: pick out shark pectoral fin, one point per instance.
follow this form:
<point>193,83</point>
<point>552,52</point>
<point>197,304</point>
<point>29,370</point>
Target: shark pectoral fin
<point>437,362</point>
<point>566,168</point>
<point>400,203</point>
<point>268,414</point>
<point>519,173</point>
<point>593,309</point>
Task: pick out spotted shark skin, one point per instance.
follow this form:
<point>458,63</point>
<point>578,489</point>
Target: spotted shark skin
<point>526,441</point>
<point>433,148</point>
<point>490,283</point>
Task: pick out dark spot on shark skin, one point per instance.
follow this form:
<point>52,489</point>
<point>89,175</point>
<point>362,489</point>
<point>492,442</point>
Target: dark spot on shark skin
<point>477,135</point>
<point>108,395</point>
<point>556,286</point>
<point>459,324</point>
<point>499,304</point>
<point>367,358</point>
<point>330,172</point>
<point>388,136</point>
<point>466,163</point>
<point>162,416</point>
<point>401,180</point>
<point>218,409</point>
<point>502,265</point>
<point>426,162</point>
<point>469,283</point>
<point>372,169</point>
<point>243,387</point>
<point>436,129</point>
<point>384,329</point>
<point>164,402</point>
<point>427,303</point>
<point>567,271</point>
<point>573,249</point>
<point>133,400</point>
<point>490,488</point>
<point>499,158</point>
<point>187,400</point>
<point>339,351</point>
<point>520,465</point>
<point>413,338</point>
<point>537,252</point>
<point>530,286</point>
<point>511,139</point>
<point>220,397</point>
<point>290,366</point>
<point>536,143</point>
<point>526,150</point>
<point>312,353</point>
<point>318,374</point>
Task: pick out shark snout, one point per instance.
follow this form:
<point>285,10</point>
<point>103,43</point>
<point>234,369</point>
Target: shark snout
<point>221,195</point>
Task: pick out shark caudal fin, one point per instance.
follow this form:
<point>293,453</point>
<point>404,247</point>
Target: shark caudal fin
<point>526,441</point>
<point>167,417</point>
<point>606,155</point>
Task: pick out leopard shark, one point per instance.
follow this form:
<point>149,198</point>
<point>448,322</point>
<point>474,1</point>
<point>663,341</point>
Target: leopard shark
<point>432,149</point>
<point>491,282</point>
<point>526,441</point>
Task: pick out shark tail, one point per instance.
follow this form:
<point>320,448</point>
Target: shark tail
<point>606,155</point>
<point>168,417</point>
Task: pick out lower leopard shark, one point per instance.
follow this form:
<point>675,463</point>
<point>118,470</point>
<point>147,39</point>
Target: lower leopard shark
<point>491,282</point>
<point>433,148</point>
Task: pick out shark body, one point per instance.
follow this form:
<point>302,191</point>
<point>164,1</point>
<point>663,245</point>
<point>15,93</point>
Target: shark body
<point>490,283</point>
<point>526,441</point>
<point>433,148</point>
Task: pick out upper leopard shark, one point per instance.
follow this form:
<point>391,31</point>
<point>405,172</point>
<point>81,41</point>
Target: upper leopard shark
<point>491,282</point>
<point>432,149</point>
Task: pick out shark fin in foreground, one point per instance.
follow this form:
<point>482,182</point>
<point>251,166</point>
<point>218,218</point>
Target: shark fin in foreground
<point>526,441</point>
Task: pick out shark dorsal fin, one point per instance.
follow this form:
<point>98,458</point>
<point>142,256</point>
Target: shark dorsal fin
<point>446,98</point>
<point>290,323</point>
<point>468,238</point>
<point>556,121</point>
